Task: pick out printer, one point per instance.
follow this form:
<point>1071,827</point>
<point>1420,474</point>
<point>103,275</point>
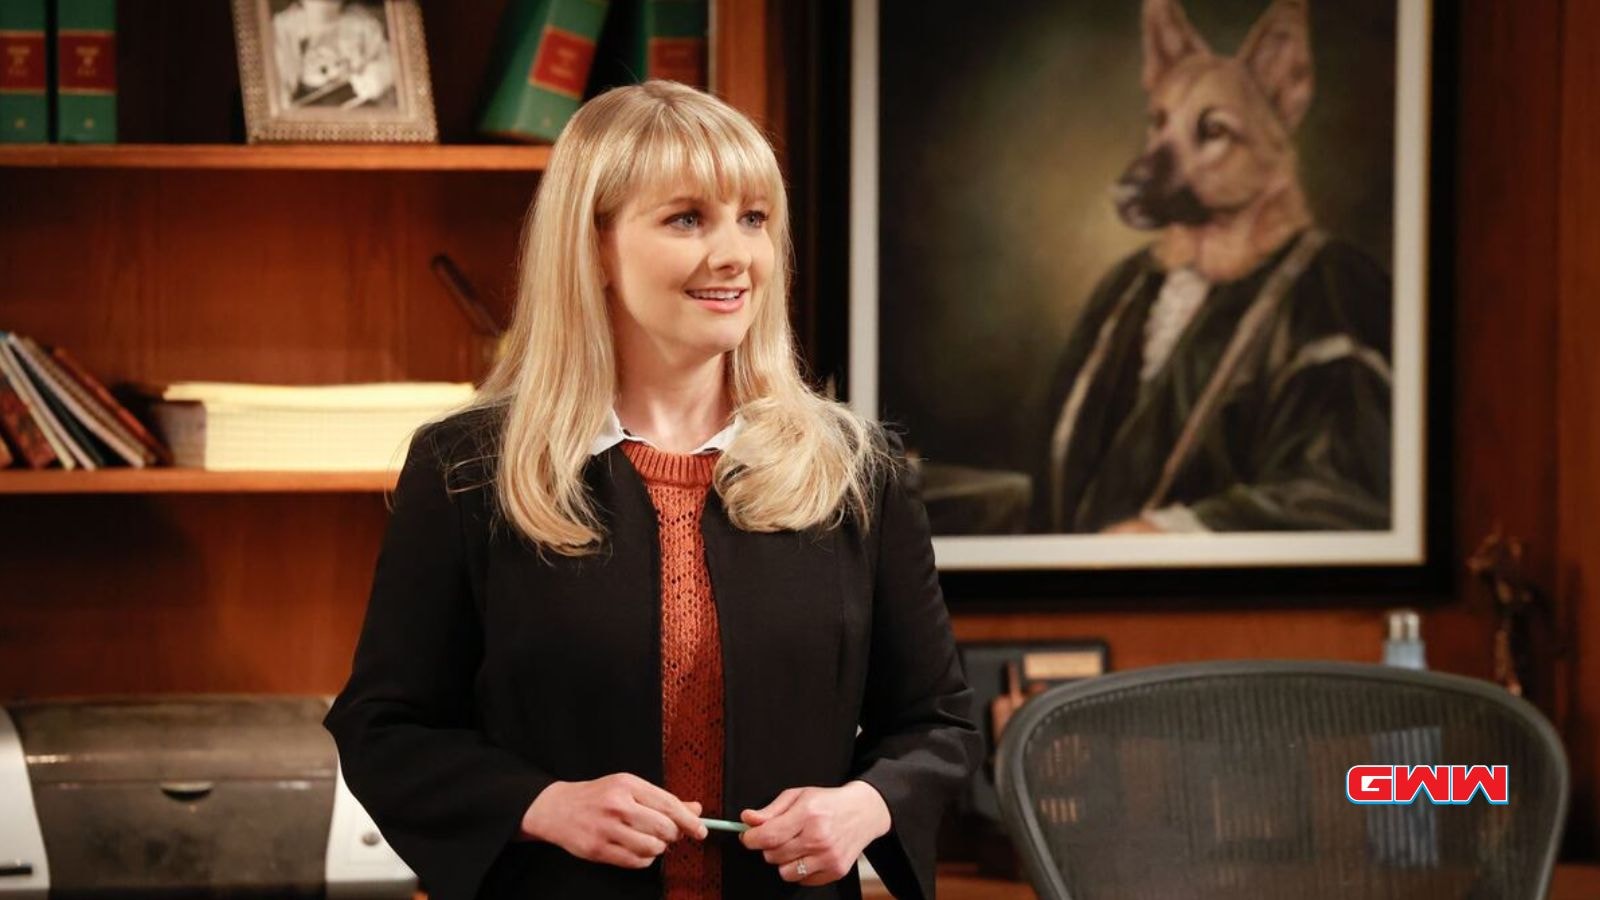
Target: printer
<point>183,795</point>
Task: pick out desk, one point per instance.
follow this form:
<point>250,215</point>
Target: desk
<point>961,881</point>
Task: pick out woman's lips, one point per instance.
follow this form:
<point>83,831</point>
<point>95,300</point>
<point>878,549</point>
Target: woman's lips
<point>722,306</point>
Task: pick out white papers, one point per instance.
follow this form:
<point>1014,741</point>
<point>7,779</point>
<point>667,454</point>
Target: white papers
<point>333,428</point>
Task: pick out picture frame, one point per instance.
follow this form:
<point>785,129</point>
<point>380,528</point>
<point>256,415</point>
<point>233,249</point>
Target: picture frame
<point>978,150</point>
<point>334,70</point>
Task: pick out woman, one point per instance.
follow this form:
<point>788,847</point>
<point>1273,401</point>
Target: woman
<point>651,576</point>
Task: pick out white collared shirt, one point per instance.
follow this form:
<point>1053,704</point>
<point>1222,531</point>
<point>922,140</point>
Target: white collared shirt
<point>612,434</point>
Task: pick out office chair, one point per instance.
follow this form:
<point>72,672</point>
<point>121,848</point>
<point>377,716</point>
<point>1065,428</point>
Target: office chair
<point>1229,780</point>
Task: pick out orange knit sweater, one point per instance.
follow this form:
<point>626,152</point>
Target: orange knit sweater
<point>691,659</point>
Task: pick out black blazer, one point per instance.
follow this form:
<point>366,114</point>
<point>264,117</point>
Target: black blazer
<point>484,672</point>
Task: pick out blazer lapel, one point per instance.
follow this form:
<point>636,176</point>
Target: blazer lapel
<point>630,566</point>
<point>779,611</point>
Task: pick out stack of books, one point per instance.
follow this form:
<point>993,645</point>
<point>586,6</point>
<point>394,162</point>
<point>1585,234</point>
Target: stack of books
<point>54,413</point>
<point>332,428</point>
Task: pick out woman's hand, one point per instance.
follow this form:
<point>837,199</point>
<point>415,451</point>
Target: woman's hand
<point>621,820</point>
<point>814,835</point>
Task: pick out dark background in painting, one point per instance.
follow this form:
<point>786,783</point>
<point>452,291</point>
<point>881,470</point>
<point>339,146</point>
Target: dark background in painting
<point>1000,138</point>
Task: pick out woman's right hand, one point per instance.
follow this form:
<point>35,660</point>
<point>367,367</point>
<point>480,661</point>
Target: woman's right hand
<point>621,819</point>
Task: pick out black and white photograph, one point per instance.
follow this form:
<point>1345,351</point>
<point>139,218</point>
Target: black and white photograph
<point>333,54</point>
<point>334,70</point>
<point>1172,312</point>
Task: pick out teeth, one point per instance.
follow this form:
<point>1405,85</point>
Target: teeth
<point>715,295</point>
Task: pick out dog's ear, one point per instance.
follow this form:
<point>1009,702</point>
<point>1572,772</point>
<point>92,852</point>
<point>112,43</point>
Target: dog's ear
<point>1168,38</point>
<point>1277,54</point>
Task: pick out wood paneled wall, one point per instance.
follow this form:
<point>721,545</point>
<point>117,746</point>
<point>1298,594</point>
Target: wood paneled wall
<point>1576,579</point>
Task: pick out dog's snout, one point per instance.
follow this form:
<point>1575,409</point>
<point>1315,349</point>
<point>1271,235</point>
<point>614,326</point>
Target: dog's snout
<point>1152,169</point>
<point>1150,194</point>
<point>1132,185</point>
<point>1136,191</point>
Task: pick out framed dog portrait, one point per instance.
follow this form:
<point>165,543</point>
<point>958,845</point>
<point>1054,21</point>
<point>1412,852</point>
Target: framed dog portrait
<point>1144,283</point>
<point>334,70</point>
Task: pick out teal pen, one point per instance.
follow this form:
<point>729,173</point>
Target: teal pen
<point>725,825</point>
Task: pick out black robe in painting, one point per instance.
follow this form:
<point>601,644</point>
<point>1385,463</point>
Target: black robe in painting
<point>1301,440</point>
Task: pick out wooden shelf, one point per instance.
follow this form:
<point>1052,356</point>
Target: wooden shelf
<point>334,157</point>
<point>190,481</point>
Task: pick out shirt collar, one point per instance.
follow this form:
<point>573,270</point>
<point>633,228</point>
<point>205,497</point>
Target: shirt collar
<point>612,433</point>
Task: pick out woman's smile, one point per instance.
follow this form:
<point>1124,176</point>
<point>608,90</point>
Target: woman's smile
<point>722,300</point>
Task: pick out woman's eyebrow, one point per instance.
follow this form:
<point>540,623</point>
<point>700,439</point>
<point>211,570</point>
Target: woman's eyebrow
<point>680,199</point>
<point>696,200</point>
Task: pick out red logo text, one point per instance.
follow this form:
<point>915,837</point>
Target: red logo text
<point>1439,784</point>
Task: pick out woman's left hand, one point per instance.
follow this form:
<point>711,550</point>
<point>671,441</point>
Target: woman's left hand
<point>814,835</point>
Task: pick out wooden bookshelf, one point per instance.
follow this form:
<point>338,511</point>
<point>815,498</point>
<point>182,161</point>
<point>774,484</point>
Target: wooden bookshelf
<point>305,157</point>
<point>184,253</point>
<point>190,481</point>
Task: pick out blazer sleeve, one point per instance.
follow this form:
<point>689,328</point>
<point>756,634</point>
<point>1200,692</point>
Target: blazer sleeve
<point>918,744</point>
<point>445,797</point>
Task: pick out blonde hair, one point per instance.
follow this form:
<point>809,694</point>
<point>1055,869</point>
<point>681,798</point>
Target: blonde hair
<point>800,461</point>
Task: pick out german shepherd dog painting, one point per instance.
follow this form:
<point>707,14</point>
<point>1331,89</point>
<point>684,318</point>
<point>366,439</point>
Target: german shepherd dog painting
<point>1234,375</point>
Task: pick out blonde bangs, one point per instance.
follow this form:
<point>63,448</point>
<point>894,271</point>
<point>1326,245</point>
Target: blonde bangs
<point>711,153</point>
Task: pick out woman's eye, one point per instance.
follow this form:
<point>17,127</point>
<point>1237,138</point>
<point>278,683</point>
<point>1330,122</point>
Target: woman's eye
<point>755,218</point>
<point>685,220</point>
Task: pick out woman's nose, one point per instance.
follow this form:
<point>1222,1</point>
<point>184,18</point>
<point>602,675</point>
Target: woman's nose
<point>728,249</point>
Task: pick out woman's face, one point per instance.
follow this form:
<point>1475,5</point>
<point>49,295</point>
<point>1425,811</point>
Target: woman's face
<point>682,271</point>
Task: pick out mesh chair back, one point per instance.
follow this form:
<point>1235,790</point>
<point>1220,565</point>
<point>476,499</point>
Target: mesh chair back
<point>1215,780</point>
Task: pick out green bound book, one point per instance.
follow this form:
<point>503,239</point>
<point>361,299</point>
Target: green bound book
<point>86,71</point>
<point>24,73</point>
<point>647,39</point>
<point>552,45</point>
<point>672,41</point>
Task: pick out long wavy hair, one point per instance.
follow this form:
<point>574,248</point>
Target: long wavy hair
<point>800,460</point>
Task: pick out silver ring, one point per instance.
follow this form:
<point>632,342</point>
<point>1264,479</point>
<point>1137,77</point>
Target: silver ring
<point>800,868</point>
